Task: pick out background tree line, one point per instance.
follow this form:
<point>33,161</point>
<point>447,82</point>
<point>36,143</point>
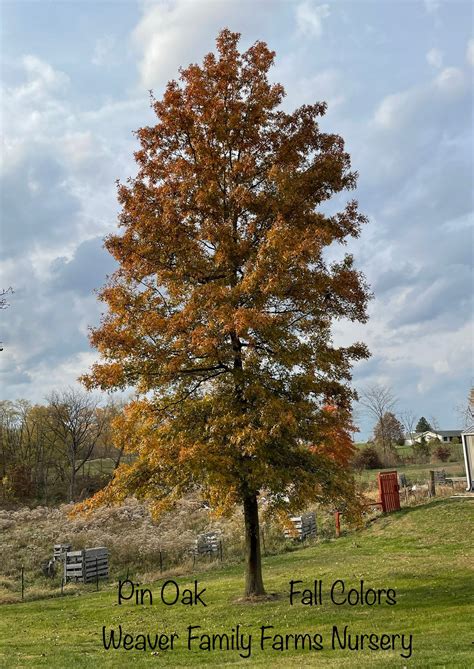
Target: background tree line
<point>392,430</point>
<point>44,448</point>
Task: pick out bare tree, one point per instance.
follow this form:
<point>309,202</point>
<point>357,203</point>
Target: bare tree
<point>9,435</point>
<point>112,444</point>
<point>356,419</point>
<point>434,424</point>
<point>3,302</point>
<point>78,423</point>
<point>466,411</point>
<point>3,297</point>
<point>408,420</point>
<point>378,401</point>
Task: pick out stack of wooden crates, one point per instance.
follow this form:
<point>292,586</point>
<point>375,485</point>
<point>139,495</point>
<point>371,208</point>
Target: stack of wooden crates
<point>86,566</point>
<point>303,527</point>
<point>207,544</point>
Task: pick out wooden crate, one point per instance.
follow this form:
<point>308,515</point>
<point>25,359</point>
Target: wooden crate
<point>87,565</point>
<point>60,550</point>
<point>303,527</point>
<point>207,544</point>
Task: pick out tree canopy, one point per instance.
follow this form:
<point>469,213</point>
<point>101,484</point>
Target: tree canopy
<point>388,430</point>
<point>423,425</point>
<point>220,312</point>
<point>378,401</point>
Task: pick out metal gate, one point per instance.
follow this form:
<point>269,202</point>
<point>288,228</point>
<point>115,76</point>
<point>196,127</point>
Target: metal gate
<point>389,491</point>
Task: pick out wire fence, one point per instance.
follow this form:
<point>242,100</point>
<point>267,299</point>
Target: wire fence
<point>219,551</point>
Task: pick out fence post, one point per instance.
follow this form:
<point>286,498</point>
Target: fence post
<point>432,484</point>
<point>337,516</point>
<point>161,563</point>
<point>96,574</point>
<point>263,542</point>
<point>22,582</point>
<point>220,550</point>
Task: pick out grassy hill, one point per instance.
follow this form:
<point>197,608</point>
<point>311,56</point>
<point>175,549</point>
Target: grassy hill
<point>423,553</point>
<point>414,473</point>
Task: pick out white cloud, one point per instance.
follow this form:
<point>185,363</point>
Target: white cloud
<point>41,73</point>
<point>398,109</point>
<point>451,81</point>
<point>470,52</point>
<point>102,50</point>
<point>434,57</point>
<point>59,164</point>
<point>310,17</point>
<point>394,109</point>
<point>327,85</point>
<point>173,34</point>
<point>432,6</point>
<point>46,378</point>
<point>77,147</point>
<point>32,109</point>
<point>414,158</point>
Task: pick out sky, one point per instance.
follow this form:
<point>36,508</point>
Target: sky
<point>398,80</point>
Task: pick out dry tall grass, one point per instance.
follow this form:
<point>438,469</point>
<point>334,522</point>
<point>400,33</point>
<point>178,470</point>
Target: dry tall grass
<point>134,540</point>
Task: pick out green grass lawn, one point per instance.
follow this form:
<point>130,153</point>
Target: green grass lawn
<point>423,553</point>
<point>415,473</point>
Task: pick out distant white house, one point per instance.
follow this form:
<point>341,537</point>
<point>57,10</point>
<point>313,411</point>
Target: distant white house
<point>446,436</point>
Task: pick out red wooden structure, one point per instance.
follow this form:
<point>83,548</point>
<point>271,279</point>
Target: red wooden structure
<point>389,494</point>
<point>389,491</point>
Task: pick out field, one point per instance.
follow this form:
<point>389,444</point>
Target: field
<point>424,553</point>
<point>415,474</point>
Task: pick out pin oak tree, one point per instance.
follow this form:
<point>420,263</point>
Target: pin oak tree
<point>221,309</point>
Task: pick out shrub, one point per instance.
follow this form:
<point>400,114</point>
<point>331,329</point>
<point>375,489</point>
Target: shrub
<point>367,458</point>
<point>422,451</point>
<point>442,453</point>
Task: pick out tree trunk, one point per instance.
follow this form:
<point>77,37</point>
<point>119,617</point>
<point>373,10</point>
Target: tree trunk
<point>253,560</point>
<point>72,481</point>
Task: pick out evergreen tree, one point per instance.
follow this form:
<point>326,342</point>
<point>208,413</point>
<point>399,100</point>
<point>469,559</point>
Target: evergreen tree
<point>423,425</point>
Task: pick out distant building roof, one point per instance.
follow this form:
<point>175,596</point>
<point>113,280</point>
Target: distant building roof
<point>440,433</point>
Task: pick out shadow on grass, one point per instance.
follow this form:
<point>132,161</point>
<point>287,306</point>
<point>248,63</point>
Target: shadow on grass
<point>407,510</point>
<point>439,592</point>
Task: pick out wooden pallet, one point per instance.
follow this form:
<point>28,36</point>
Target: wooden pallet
<point>87,565</point>
<point>207,544</point>
<point>303,527</point>
<point>60,550</point>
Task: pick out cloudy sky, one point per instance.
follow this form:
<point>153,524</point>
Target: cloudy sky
<point>398,80</point>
